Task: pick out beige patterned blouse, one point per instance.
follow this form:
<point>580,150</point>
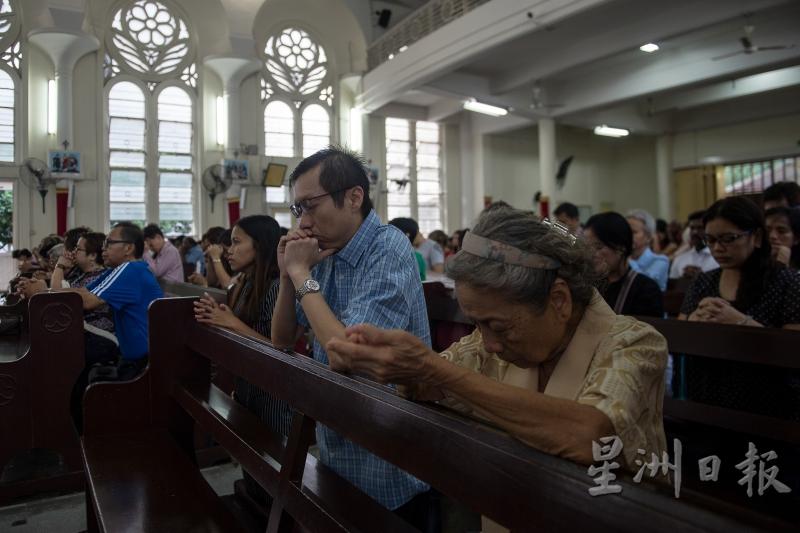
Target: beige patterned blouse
<point>621,374</point>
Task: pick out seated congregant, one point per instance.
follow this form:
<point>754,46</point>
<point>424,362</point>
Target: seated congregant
<point>162,257</point>
<point>698,257</point>
<point>568,215</point>
<point>628,292</point>
<point>643,259</point>
<point>254,241</point>
<point>549,362</point>
<point>749,288</point>
<point>783,229</point>
<point>410,229</point>
<point>782,194</point>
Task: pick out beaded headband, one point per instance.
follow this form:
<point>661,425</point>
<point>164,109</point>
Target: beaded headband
<point>505,253</point>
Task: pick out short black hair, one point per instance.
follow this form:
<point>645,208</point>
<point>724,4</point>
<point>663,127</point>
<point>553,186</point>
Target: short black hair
<point>568,209</point>
<point>613,230</point>
<point>94,245</point>
<point>129,231</point>
<point>340,169</point>
<point>72,235</point>
<point>23,252</point>
<point>697,215</point>
<point>788,190</point>
<point>408,226</point>
<point>152,230</point>
<point>213,235</point>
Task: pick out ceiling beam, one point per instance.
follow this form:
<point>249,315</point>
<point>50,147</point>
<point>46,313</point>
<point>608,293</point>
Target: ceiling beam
<point>617,27</point>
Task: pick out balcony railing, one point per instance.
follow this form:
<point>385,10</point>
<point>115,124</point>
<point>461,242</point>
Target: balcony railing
<point>425,20</point>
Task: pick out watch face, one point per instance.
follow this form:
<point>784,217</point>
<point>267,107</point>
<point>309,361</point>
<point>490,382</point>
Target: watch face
<point>312,285</point>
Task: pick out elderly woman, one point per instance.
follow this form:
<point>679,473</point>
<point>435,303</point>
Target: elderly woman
<point>549,361</point>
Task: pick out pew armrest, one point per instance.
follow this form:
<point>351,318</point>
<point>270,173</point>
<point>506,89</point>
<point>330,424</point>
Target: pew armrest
<point>114,408</point>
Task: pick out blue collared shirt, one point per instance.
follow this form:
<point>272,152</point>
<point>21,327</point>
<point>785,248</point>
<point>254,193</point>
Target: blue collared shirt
<point>374,279</point>
<point>654,266</point>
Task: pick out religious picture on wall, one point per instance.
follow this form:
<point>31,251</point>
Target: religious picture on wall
<point>64,164</point>
<point>239,169</point>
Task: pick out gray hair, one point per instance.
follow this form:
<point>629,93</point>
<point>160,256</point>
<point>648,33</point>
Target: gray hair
<point>55,252</point>
<point>645,218</point>
<point>522,284</point>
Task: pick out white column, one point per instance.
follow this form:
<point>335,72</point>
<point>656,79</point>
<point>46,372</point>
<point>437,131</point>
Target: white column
<point>64,49</point>
<point>664,176</point>
<point>232,71</point>
<point>547,159</point>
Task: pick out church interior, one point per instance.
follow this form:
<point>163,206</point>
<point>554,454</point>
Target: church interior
<point>601,200</point>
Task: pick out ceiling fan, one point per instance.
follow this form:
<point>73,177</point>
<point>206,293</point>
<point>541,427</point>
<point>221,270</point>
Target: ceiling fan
<point>538,100</point>
<point>749,47</point>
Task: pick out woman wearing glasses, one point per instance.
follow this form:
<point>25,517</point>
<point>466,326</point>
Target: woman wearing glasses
<point>750,288</point>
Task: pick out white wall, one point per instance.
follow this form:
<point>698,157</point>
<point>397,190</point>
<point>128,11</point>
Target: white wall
<point>745,141</point>
<point>605,173</point>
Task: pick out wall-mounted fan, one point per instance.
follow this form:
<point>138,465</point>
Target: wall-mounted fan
<point>749,46</point>
<point>35,175</point>
<point>216,180</point>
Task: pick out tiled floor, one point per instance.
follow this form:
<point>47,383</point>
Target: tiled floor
<point>67,513</point>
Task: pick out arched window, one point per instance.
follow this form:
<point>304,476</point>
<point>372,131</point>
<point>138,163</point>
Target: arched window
<point>316,129</point>
<point>127,153</point>
<point>7,136</point>
<point>175,161</point>
<point>278,129</point>
<point>150,41</point>
<point>296,70</point>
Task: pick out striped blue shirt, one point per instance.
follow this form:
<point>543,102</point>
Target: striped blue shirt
<point>374,279</point>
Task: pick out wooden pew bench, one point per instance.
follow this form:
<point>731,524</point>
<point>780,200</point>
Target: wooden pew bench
<point>13,328</point>
<point>35,389</point>
<point>141,474</point>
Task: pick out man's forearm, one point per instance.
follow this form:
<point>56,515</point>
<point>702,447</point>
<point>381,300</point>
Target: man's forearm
<point>553,425</point>
<point>322,320</point>
<point>284,317</point>
<point>221,275</point>
<point>57,277</point>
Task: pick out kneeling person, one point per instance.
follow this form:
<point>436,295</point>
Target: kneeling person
<point>549,361</point>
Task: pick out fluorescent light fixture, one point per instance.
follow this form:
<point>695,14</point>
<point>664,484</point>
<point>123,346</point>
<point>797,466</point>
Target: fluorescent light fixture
<point>608,131</point>
<point>222,121</point>
<point>486,109</point>
<point>52,107</point>
<point>403,48</point>
<point>649,48</point>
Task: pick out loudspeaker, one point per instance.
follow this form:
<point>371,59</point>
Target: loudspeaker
<point>384,16</point>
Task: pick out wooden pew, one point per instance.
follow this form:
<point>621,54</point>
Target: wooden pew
<point>13,328</point>
<point>140,471</point>
<point>173,289</point>
<point>35,388</point>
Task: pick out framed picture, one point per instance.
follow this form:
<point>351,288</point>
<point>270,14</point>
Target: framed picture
<point>64,164</point>
<point>274,175</point>
<point>238,168</point>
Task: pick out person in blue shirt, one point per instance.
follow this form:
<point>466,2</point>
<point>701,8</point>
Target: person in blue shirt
<point>342,267</point>
<point>128,287</point>
<point>643,259</point>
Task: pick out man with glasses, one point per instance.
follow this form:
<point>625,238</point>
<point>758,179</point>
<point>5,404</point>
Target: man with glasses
<point>698,258</point>
<point>342,267</point>
<point>128,287</point>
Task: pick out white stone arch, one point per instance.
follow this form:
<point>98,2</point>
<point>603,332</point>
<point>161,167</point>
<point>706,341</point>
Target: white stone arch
<point>295,118</point>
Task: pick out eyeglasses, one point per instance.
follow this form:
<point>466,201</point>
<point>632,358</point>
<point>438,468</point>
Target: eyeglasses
<point>79,250</point>
<point>725,239</point>
<point>109,242</point>
<point>298,208</point>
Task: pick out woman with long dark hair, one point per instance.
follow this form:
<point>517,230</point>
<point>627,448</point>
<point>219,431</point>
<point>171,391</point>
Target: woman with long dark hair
<point>253,255</point>
<point>750,287</point>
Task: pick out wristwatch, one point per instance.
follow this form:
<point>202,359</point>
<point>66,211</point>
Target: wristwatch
<point>308,286</point>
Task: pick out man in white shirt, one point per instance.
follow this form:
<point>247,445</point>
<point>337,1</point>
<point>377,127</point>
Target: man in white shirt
<point>698,258</point>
